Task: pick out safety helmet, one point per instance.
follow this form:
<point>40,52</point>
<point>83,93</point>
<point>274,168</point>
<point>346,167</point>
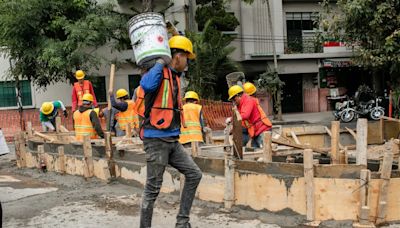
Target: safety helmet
<point>121,93</point>
<point>182,43</point>
<point>47,108</point>
<point>79,74</point>
<point>249,88</point>
<point>87,97</point>
<point>234,90</point>
<point>191,95</point>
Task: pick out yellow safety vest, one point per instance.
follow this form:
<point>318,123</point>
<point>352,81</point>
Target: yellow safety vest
<point>128,117</point>
<point>83,125</point>
<point>192,132</point>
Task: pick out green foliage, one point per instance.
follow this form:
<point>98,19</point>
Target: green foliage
<point>48,40</point>
<point>270,82</point>
<point>207,73</point>
<point>215,10</point>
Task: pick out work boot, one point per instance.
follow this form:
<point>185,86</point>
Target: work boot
<point>186,225</point>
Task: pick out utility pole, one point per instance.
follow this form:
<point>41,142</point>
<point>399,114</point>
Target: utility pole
<point>278,95</point>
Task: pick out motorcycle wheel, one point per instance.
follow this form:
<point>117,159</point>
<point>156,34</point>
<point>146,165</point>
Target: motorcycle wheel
<point>347,116</point>
<point>376,113</point>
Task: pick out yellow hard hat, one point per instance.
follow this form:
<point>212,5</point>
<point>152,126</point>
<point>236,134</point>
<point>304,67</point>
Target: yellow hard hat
<point>79,74</point>
<point>121,93</point>
<point>191,95</point>
<point>183,43</point>
<point>87,97</point>
<point>234,90</point>
<point>249,88</point>
<point>47,108</point>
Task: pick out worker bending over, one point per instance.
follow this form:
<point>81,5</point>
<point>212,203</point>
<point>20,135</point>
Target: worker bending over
<point>194,121</point>
<point>80,88</point>
<point>252,118</point>
<point>49,112</point>
<point>86,120</point>
<point>126,115</point>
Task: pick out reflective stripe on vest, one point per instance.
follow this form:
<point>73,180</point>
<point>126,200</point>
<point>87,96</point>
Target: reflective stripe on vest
<point>83,125</point>
<point>139,102</point>
<point>127,117</point>
<point>162,110</point>
<point>80,91</point>
<point>192,132</point>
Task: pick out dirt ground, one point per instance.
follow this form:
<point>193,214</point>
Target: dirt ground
<point>32,198</point>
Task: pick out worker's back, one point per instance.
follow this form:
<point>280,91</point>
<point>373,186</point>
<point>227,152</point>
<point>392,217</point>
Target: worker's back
<point>83,125</point>
<point>192,132</point>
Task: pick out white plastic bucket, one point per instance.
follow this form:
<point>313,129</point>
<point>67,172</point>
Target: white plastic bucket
<point>148,34</point>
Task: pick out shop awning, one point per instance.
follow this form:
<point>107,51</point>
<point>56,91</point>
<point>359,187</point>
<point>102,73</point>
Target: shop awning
<point>339,62</point>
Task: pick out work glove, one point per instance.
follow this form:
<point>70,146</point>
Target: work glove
<point>65,113</point>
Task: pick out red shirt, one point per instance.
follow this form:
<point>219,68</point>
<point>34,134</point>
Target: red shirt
<point>75,96</point>
<point>249,111</point>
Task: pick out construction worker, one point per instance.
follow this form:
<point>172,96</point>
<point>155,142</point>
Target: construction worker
<point>86,121</point>
<point>251,116</point>
<point>80,88</point>
<point>161,129</point>
<point>192,113</point>
<point>49,112</point>
<point>126,113</point>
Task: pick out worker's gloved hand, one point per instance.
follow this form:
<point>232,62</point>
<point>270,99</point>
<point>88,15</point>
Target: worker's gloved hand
<point>228,120</point>
<point>65,113</point>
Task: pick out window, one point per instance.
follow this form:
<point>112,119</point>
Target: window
<point>296,23</point>
<point>8,93</point>
<point>99,87</point>
<point>134,81</point>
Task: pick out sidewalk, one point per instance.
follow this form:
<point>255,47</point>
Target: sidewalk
<point>305,118</point>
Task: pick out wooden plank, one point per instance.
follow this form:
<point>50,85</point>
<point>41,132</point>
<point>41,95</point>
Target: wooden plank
<point>43,136</point>
<point>361,144</point>
<point>352,133</point>
<point>382,130</point>
<point>390,119</point>
<point>229,194</point>
<point>21,153</point>
<point>330,134</point>
<point>42,159</point>
<point>286,143</point>
<point>195,149</point>
<point>61,159</point>
<point>365,177</point>
<point>309,184</point>
<point>335,128</point>
<point>267,147</point>
<point>109,153</point>
<point>110,90</point>
<point>88,153</point>
<point>383,192</point>
<point>29,129</point>
<point>237,134</point>
<point>296,140</point>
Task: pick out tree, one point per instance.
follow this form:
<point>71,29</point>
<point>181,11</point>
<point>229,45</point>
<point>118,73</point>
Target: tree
<point>271,83</point>
<point>48,40</point>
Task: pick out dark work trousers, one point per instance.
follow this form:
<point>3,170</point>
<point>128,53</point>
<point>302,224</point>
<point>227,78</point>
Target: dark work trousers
<point>159,154</point>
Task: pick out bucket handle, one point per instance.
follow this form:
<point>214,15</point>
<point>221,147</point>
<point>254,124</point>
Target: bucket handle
<point>139,41</point>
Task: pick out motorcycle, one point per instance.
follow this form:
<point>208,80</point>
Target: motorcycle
<point>347,110</point>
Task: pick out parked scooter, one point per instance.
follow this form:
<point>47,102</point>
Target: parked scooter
<point>348,110</point>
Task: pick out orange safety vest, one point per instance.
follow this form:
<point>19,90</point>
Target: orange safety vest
<point>127,117</point>
<point>80,91</point>
<point>162,110</point>
<point>83,125</point>
<point>264,119</point>
<point>139,102</point>
<point>192,132</point>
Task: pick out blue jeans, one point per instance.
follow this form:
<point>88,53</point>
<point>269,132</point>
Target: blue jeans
<point>159,154</point>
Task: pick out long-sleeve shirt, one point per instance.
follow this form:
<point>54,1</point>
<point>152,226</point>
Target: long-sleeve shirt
<point>57,105</point>
<point>249,111</point>
<point>120,106</point>
<point>75,97</point>
<point>150,82</point>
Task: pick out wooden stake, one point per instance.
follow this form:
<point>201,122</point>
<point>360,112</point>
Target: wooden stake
<point>384,188</point>
<point>365,177</point>
<point>309,184</point>
<point>110,89</point>
<point>382,130</point>
<point>29,129</point>
<point>109,153</point>
<point>22,148</point>
<point>128,131</point>
<point>361,144</point>
<point>335,126</point>
<point>330,134</point>
<point>229,182</point>
<point>42,159</point>
<point>87,151</point>
<point>43,136</point>
<point>195,149</point>
<point>58,124</point>
<point>294,136</point>
<point>61,159</point>
<point>267,147</point>
<point>237,134</point>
